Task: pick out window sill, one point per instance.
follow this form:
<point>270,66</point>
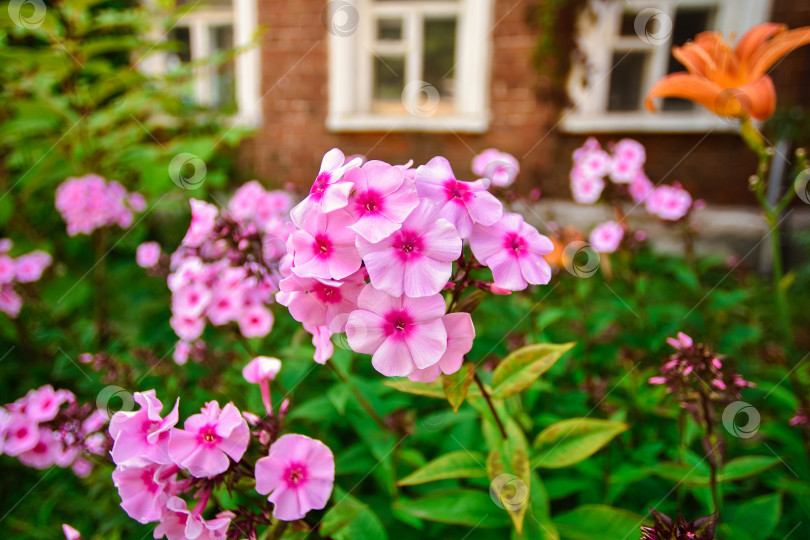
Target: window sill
<point>647,123</point>
<point>444,124</point>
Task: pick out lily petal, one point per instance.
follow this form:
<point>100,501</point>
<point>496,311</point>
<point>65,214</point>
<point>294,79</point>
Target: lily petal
<point>683,85</point>
<point>756,38</point>
<point>781,45</point>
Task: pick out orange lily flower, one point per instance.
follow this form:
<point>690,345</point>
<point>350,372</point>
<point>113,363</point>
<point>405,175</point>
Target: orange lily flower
<point>731,82</point>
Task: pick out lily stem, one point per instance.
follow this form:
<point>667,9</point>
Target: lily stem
<point>488,399</point>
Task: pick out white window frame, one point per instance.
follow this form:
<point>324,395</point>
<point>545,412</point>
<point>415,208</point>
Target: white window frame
<point>598,38</point>
<point>351,66</point>
<point>242,16</point>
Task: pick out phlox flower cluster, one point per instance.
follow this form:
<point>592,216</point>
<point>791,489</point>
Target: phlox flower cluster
<point>499,167</point>
<point>161,467</point>
<point>624,167</point>
<point>226,268</point>
<point>696,368</point>
<point>23,269</point>
<point>374,246</point>
<point>90,202</point>
<point>48,427</point>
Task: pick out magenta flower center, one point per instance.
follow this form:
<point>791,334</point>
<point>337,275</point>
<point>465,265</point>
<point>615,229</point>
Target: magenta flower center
<point>398,323</point>
<point>320,185</point>
<point>516,243</point>
<point>322,245</point>
<point>327,294</point>
<point>407,244</point>
<point>208,435</point>
<point>369,202</point>
<point>149,481</point>
<point>295,474</point>
<point>22,433</point>
<point>457,191</point>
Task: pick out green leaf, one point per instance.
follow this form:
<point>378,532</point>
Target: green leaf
<point>460,464</point>
<point>747,466</point>
<point>757,517</point>
<point>570,441</point>
<point>457,385</point>
<point>522,367</point>
<point>456,506</point>
<point>350,519</point>
<point>598,521</point>
<point>679,473</point>
<point>538,525</point>
<point>434,389</point>
<point>508,467</point>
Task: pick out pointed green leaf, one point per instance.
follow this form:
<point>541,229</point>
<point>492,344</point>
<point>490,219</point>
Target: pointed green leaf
<point>457,506</point>
<point>460,464</point>
<point>457,385</point>
<point>350,519</point>
<point>747,466</point>
<point>598,521</point>
<point>434,389</point>
<point>757,517</point>
<point>522,367</point>
<point>508,466</point>
<point>570,441</point>
<point>688,475</point>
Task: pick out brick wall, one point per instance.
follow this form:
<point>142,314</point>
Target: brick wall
<point>293,136</point>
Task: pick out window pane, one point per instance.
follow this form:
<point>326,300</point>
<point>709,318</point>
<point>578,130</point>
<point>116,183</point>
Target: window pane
<point>223,87</point>
<point>389,78</point>
<point>389,29</point>
<point>688,23</point>
<point>440,55</point>
<point>180,36</point>
<point>626,80</point>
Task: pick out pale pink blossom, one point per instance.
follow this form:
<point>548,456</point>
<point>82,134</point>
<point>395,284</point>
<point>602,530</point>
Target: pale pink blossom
<point>330,191</point>
<point>141,437</point>
<point>461,203</point>
<point>10,301</point>
<point>460,336</point>
<point>321,302</point>
<point>187,327</point>
<point>70,533</point>
<point>89,202</point>
<point>261,368</point>
<point>402,333</point>
<point>190,300</point>
<point>180,523</point>
<point>324,246</point>
<point>147,255</point>
<point>628,159</point>
<point>8,269</point>
<point>22,434</point>
<point>499,167</point>
<point>298,474</point>
<point>145,490</point>
<point>682,342</point>
<point>203,216</point>
<point>595,162</point>
<point>256,321</point>
<point>29,267</point>
<point>208,439</point>
<point>42,405</point>
<point>514,251</point>
<point>417,259</point>
<point>669,202</point>
<point>640,187</point>
<point>586,188</point>
<point>590,144</point>
<point>606,237</point>
<point>322,341</point>
<point>381,200</point>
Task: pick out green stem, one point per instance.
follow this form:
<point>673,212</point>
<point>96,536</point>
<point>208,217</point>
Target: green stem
<point>357,394</point>
<point>488,399</point>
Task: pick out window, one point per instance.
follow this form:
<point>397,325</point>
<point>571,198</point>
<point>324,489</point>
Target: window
<point>627,45</point>
<point>212,27</point>
<point>409,65</point>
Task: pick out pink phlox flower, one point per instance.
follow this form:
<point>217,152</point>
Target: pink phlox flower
<point>321,302</point>
<point>514,251</point>
<point>585,187</point>
<point>460,336</point>
<point>147,255</point>
<point>144,491</point>
<point>499,167</point>
<point>381,199</point>
<point>669,202</point>
<point>606,237</point>
<point>141,437</point>
<point>180,523</point>
<point>29,267</point>
<point>203,216</point>
<point>330,191</point>
<point>208,439</point>
<point>298,474</point>
<point>461,203</point>
<point>322,341</point>
<point>402,333</point>
<point>417,259</point>
<point>324,247</point>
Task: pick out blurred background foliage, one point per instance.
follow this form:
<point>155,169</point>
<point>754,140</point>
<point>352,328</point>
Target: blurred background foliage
<point>72,101</point>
